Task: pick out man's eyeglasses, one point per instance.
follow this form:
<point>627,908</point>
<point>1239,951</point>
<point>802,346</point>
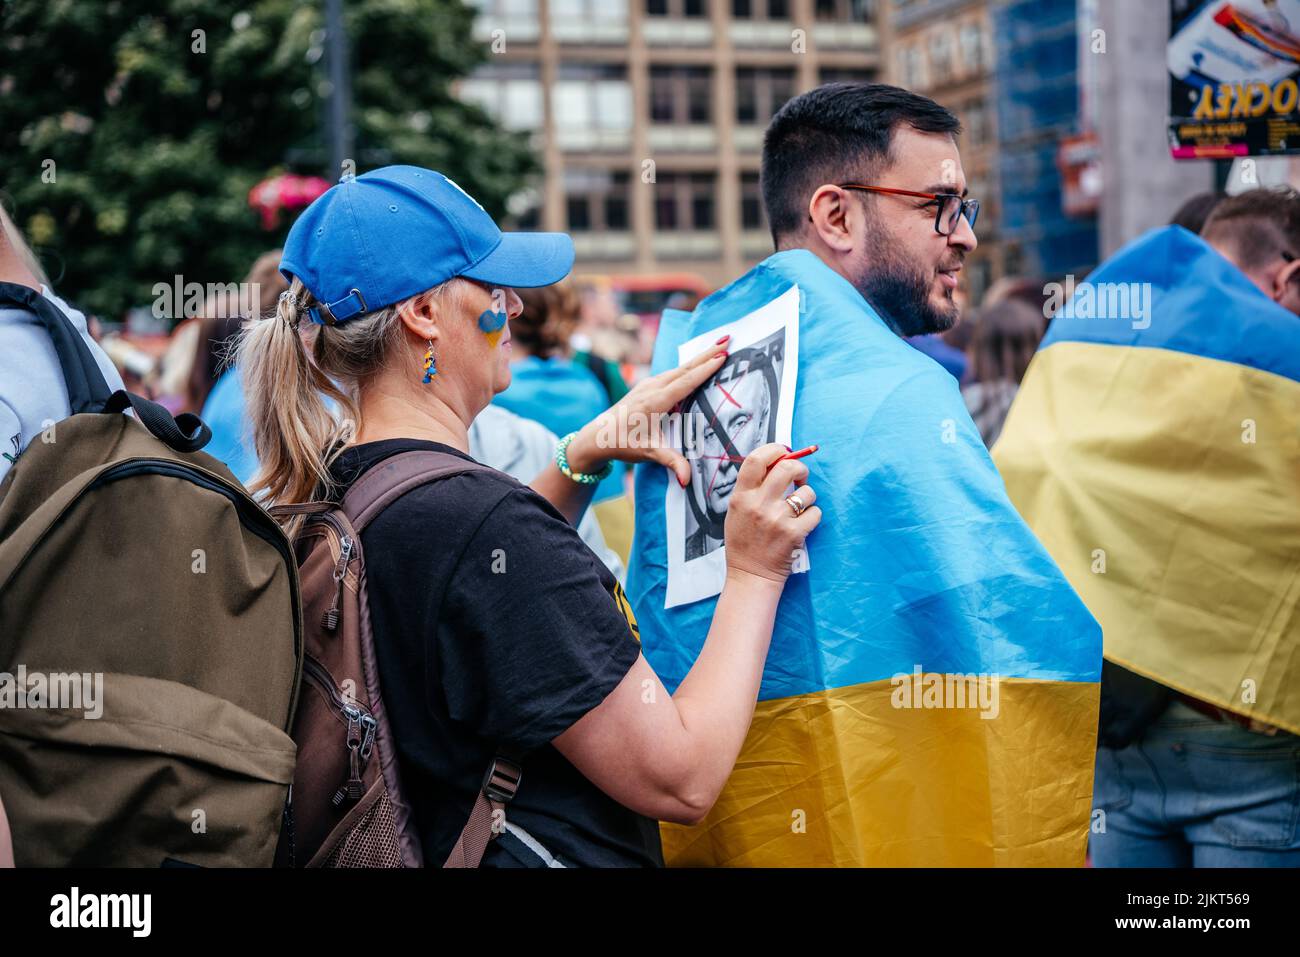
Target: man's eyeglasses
<point>948,206</point>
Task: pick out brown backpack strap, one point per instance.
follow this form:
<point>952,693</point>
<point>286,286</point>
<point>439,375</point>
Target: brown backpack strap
<point>499,786</point>
<point>302,508</point>
<point>379,487</point>
<point>395,476</point>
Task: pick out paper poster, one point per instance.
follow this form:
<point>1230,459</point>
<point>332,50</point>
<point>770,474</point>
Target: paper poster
<point>749,402</point>
<point>1234,66</point>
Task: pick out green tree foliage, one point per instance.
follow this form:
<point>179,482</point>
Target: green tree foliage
<point>133,130</point>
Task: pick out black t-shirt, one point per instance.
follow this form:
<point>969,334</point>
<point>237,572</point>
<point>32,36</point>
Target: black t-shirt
<point>495,626</point>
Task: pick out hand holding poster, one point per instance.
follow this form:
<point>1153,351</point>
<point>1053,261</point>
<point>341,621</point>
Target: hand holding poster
<point>748,403</point>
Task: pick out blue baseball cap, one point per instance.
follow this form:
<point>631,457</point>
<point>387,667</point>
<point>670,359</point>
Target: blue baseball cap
<point>372,240</point>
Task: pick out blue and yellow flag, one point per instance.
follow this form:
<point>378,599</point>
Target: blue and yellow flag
<point>930,696</point>
<point>1156,453</point>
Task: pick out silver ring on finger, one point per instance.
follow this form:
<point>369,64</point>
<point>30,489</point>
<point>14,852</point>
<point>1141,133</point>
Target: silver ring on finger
<point>796,504</point>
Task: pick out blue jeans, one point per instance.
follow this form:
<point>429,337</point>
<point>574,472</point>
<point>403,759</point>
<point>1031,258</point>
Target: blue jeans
<point>1195,792</point>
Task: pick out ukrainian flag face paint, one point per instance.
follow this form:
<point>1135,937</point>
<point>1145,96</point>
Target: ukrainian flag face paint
<point>491,323</point>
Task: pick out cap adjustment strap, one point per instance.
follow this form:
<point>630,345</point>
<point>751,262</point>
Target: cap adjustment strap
<point>332,313</point>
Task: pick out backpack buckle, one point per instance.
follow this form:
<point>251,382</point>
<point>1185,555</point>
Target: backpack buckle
<point>502,780</point>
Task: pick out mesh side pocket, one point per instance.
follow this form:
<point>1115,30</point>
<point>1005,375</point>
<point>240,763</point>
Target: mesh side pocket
<point>372,843</point>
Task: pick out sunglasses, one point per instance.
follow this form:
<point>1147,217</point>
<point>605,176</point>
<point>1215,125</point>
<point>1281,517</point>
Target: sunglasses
<point>948,206</point>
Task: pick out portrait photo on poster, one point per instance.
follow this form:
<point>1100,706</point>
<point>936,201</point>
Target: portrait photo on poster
<point>749,402</point>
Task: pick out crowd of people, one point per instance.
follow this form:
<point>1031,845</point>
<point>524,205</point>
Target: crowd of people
<point>467,341</point>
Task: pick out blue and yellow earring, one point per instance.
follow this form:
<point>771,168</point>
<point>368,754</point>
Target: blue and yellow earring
<point>430,370</point>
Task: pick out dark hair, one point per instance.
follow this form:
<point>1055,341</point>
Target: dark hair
<point>1257,224</point>
<point>220,324</point>
<point>1193,213</point>
<point>548,320</point>
<point>837,132</point>
<point>216,341</point>
<point>1006,336</point>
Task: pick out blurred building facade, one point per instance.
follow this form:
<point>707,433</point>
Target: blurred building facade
<point>946,50</point>
<point>1049,199</point>
<point>649,116</point>
<point>1127,102</point>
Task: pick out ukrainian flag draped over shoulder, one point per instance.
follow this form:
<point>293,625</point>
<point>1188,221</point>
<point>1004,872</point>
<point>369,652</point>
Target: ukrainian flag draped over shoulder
<point>1158,459</point>
<point>920,569</point>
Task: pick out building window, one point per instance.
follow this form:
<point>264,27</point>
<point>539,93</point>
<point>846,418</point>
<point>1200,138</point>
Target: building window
<point>978,185</point>
<point>910,67</point>
<point>509,92</point>
<point>578,210</point>
<point>616,203</point>
<point>597,200</point>
<point>592,96</point>
<point>845,11</point>
<point>981,275</point>
<point>975,118</point>
<point>520,16</point>
<point>760,9</point>
<point>685,201</point>
<point>760,92</point>
<point>751,203</point>
<point>846,75</point>
<point>971,39</point>
<point>702,201</point>
<point>674,8</point>
<point>941,56</point>
<point>680,94</point>
<point>587,21</point>
<point>665,205</point>
<point>506,8</point>
<point>599,11</point>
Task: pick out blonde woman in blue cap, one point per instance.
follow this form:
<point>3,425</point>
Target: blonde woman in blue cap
<point>496,627</point>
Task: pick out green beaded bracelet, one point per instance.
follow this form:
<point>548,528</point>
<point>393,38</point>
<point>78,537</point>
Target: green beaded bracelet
<point>582,478</point>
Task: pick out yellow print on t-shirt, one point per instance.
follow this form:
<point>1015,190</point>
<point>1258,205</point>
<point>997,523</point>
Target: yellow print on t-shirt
<point>620,599</point>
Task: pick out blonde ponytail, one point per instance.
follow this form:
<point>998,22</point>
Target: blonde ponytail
<point>295,434</point>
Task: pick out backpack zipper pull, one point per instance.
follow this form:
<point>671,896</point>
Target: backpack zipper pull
<point>331,619</point>
<point>352,789</point>
<point>368,742</point>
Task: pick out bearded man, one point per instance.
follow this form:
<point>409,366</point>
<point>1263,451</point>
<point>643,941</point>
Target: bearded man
<point>922,576</point>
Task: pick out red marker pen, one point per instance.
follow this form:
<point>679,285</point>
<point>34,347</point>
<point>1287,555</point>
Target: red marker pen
<point>794,455</point>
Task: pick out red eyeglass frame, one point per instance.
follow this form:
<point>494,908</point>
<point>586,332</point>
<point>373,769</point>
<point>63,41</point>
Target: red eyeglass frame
<point>963,209</point>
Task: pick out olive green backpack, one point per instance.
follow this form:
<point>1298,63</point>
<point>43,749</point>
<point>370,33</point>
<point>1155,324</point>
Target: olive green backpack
<point>150,639</point>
